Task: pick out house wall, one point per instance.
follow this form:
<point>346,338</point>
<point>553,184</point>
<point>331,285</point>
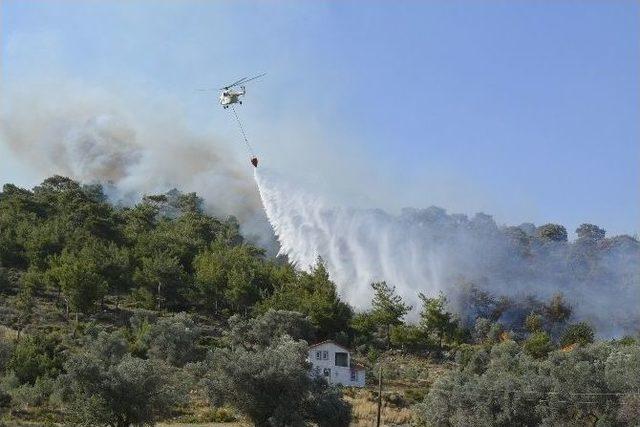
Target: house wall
<point>338,374</point>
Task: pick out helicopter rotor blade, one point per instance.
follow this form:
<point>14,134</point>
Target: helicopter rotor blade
<point>253,78</point>
<point>242,81</point>
<point>234,83</point>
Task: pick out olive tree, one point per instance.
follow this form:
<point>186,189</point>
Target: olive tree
<point>264,374</point>
<point>105,385</point>
<point>173,339</point>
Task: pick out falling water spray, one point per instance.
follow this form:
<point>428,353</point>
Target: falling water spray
<point>430,251</point>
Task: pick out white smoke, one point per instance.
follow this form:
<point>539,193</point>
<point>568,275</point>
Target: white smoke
<point>430,251</point>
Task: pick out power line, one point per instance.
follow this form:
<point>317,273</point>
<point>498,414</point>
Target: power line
<point>478,390</point>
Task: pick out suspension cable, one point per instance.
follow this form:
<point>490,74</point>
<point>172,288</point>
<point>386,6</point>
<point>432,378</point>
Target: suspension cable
<point>244,136</point>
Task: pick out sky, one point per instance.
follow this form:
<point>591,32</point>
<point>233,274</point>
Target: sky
<point>526,110</point>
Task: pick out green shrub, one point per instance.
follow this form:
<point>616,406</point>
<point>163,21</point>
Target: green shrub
<point>538,345</point>
<point>5,284</point>
<point>173,339</point>
<point>35,356</point>
<point>34,395</point>
<point>222,415</point>
<point>6,350</point>
<point>533,323</point>
<point>142,298</point>
<point>578,333</point>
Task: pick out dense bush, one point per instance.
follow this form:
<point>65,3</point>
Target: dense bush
<point>538,345</point>
<point>585,386</point>
<point>35,356</point>
<point>578,333</point>
<point>174,340</point>
<point>118,391</point>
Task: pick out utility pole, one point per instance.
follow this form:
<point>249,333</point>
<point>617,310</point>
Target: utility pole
<point>379,395</point>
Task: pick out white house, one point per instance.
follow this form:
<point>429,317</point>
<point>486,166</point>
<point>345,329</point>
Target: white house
<point>333,361</point>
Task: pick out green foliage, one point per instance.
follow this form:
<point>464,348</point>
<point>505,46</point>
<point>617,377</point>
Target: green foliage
<point>4,280</point>
<point>138,334</point>
<point>79,278</point>
<point>164,277</point>
<point>103,384</point>
<point>557,311</point>
<point>35,356</point>
<point>578,333</point>
<point>261,330</point>
<point>481,329</point>
<point>24,304</point>
<point>142,298</point>
<point>314,295</point>
<point>325,406</point>
<point>552,233</point>
<point>473,359</point>
<point>622,369</point>
<point>436,320</point>
<point>365,330</point>
<point>538,345</point>
<point>410,338</point>
<point>268,384</point>
<point>533,323</point>
<point>36,394</point>
<point>233,277</point>
<point>118,392</point>
<point>580,387</point>
<point>86,272</point>
<point>36,280</point>
<point>590,232</point>
<point>387,308</point>
<point>6,350</point>
<point>174,340</point>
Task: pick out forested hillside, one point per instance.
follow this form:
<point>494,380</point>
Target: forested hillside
<point>117,315</point>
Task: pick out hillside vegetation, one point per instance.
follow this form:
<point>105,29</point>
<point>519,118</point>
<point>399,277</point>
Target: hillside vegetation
<point>120,316</point>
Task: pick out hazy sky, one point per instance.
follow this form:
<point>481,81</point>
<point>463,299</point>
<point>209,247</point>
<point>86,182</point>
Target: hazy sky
<point>525,110</point>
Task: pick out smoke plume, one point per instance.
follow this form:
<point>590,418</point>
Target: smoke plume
<point>94,135</point>
<point>430,251</point>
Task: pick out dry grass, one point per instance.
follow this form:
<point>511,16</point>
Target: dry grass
<point>569,348</point>
<point>365,408</point>
<point>406,379</point>
<point>234,424</point>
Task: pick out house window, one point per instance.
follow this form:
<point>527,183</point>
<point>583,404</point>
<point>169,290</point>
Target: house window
<point>342,359</point>
<point>327,372</point>
<point>354,375</point>
<point>325,355</point>
<point>317,371</point>
<point>318,355</point>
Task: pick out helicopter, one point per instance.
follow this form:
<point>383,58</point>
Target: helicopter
<point>230,96</point>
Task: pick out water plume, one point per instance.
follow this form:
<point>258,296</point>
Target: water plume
<point>430,251</point>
